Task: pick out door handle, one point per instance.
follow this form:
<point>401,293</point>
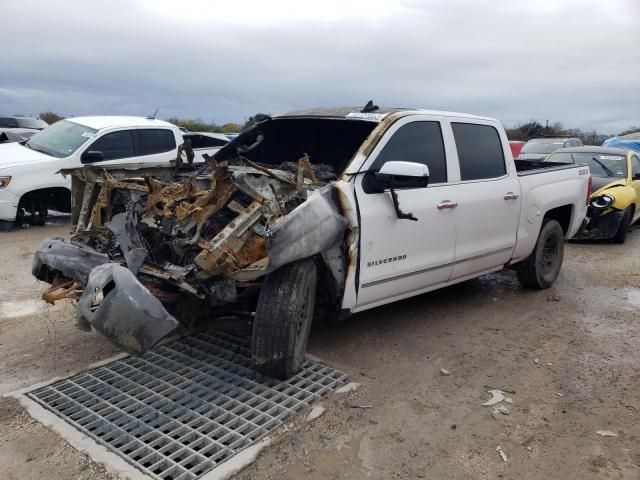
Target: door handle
<point>511,196</point>
<point>447,204</point>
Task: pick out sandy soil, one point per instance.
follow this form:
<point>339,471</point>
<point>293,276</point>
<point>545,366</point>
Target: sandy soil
<point>570,353</point>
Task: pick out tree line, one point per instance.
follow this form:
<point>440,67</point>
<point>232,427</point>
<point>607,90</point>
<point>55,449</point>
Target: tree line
<point>535,129</point>
<point>524,131</point>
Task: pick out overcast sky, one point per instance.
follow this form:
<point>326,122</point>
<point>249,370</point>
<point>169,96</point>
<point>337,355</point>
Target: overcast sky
<point>573,61</point>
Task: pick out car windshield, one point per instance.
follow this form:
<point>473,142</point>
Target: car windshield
<point>603,165</point>
<point>60,139</point>
<point>542,146</point>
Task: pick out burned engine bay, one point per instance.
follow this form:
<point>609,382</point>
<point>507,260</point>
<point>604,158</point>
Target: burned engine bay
<point>157,248</point>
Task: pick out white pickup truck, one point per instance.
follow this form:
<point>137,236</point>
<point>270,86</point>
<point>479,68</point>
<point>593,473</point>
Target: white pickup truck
<point>30,184</point>
<point>326,210</point>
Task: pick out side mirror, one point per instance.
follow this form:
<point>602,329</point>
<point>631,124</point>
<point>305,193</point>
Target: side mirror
<point>92,156</point>
<point>401,175</point>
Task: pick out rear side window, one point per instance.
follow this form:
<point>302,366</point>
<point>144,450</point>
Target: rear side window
<point>203,141</point>
<point>479,151</point>
<point>559,157</point>
<point>115,145</point>
<point>419,142</point>
<point>155,140</point>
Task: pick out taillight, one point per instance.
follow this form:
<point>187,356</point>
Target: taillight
<point>589,189</point>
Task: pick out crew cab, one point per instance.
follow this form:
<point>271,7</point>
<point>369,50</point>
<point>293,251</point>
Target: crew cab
<point>318,212</point>
<point>30,184</point>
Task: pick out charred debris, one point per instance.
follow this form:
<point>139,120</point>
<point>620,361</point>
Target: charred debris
<point>158,248</point>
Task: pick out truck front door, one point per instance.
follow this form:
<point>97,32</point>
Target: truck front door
<point>399,257</point>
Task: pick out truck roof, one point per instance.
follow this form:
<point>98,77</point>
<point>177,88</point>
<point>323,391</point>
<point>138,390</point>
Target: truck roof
<point>108,121</point>
<point>377,115</point>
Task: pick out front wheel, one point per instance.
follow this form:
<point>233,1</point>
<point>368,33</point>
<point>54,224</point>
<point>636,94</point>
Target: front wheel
<point>283,319</point>
<point>32,211</point>
<point>623,228</point>
<point>542,267</point>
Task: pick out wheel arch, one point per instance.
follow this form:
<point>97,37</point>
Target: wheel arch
<point>562,215</point>
<point>57,198</point>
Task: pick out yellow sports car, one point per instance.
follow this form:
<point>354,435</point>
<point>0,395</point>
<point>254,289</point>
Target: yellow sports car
<point>615,201</point>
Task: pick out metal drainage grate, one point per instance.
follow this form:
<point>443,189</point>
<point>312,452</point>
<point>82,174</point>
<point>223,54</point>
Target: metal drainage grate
<point>184,407</point>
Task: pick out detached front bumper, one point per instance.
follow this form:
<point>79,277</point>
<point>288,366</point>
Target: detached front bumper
<point>602,226</point>
<point>114,302</point>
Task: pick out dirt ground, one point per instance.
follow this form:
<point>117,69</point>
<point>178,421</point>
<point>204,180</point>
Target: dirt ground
<point>570,353</point>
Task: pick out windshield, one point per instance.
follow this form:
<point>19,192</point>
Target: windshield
<point>541,146</point>
<point>60,139</point>
<point>600,165</point>
<point>603,165</point>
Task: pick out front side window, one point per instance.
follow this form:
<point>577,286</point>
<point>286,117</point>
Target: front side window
<point>419,142</point>
<point>115,145</point>
<point>156,140</point>
<point>635,166</point>
<point>61,139</point>
<point>479,151</point>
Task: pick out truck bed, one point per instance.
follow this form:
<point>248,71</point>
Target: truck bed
<point>532,167</point>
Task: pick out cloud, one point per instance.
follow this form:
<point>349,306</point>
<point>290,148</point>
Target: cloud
<point>576,62</point>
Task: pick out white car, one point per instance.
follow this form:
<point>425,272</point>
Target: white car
<point>30,184</point>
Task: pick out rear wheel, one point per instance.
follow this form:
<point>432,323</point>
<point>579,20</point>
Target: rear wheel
<point>542,267</point>
<point>283,319</point>
<point>623,228</point>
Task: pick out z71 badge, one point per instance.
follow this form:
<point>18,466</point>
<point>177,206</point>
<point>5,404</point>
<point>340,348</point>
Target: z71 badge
<point>373,263</point>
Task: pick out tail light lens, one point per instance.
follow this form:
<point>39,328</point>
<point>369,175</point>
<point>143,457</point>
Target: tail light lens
<point>589,189</point>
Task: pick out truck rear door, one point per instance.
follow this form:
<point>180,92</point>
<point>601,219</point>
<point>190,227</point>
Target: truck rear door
<point>400,257</point>
<point>488,199</point>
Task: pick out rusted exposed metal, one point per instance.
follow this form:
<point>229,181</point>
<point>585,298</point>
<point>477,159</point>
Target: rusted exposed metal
<point>62,288</point>
<point>304,166</point>
<point>187,150</point>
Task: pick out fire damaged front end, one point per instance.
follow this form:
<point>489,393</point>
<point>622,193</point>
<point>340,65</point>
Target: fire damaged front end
<point>155,249</point>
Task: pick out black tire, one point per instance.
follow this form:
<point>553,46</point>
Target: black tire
<point>32,212</point>
<point>623,228</point>
<point>283,319</point>
<point>542,267</point>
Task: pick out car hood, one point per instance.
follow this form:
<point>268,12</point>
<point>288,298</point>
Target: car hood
<point>600,184</point>
<point>12,154</point>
